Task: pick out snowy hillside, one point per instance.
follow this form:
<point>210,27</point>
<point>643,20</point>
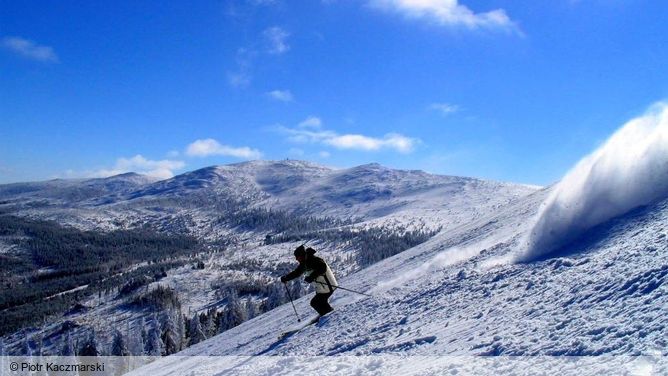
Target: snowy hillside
<point>604,295</point>
<point>237,223</point>
<point>368,192</point>
<point>579,269</point>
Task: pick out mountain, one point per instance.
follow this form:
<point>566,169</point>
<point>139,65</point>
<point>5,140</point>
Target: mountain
<point>365,192</point>
<point>71,192</point>
<point>208,236</point>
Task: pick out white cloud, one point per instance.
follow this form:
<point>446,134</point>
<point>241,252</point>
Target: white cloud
<point>276,39</point>
<point>393,141</point>
<point>444,108</point>
<point>242,77</point>
<point>209,146</point>
<point>281,95</point>
<point>447,12</point>
<point>163,169</point>
<point>239,79</point>
<point>311,122</point>
<point>29,49</point>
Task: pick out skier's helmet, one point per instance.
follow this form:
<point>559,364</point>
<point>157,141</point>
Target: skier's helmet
<point>300,251</point>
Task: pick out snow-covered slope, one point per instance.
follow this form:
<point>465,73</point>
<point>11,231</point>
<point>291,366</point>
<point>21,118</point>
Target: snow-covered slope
<point>74,191</point>
<point>606,294</point>
<point>579,269</point>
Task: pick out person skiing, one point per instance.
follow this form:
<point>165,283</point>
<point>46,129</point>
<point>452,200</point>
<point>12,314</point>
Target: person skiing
<point>317,273</point>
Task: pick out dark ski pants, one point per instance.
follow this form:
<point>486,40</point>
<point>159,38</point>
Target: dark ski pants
<point>320,303</point>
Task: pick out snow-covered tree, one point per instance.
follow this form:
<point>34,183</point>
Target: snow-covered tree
<point>134,338</point>
<point>119,345</point>
<point>39,344</point>
<point>26,349</point>
<point>181,329</point>
<point>90,346</point>
<point>169,335</point>
<point>275,296</point>
<point>154,345</point>
<point>209,327</point>
<point>196,334</point>
<point>68,346</point>
<point>234,312</point>
<point>252,309</point>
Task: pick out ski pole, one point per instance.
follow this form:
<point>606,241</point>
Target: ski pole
<point>343,288</point>
<point>293,303</point>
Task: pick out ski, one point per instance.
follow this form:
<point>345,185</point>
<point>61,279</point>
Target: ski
<point>299,328</point>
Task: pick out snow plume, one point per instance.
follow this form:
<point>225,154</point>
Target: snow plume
<point>448,257</point>
<point>628,171</point>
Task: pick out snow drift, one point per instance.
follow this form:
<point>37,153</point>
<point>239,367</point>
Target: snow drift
<point>627,171</point>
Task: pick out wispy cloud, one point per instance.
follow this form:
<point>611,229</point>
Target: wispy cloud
<point>163,169</point>
<point>447,12</point>
<point>310,134</point>
<point>281,95</point>
<point>29,49</point>
<point>241,77</point>
<point>311,122</point>
<point>444,108</point>
<point>209,147</point>
<point>276,39</point>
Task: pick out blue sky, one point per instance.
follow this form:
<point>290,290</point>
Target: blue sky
<point>506,90</point>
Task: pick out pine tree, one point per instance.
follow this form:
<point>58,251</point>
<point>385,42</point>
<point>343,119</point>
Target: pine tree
<point>275,296</point>
<point>135,340</point>
<point>251,309</point>
<point>26,348</point>
<point>209,328</point>
<point>119,345</point>
<point>39,344</point>
<point>90,346</point>
<point>119,349</point>
<point>196,334</point>
<point>234,312</point>
<point>181,329</point>
<point>169,335</point>
<point>154,345</point>
<point>68,346</point>
<point>90,350</point>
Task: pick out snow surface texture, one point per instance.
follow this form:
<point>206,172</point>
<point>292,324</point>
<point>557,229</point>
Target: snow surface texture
<point>628,171</point>
<point>602,310</point>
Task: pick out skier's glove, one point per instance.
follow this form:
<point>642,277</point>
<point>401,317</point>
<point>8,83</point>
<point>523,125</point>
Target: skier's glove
<point>309,279</point>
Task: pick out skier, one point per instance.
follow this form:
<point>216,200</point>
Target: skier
<point>317,272</point>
